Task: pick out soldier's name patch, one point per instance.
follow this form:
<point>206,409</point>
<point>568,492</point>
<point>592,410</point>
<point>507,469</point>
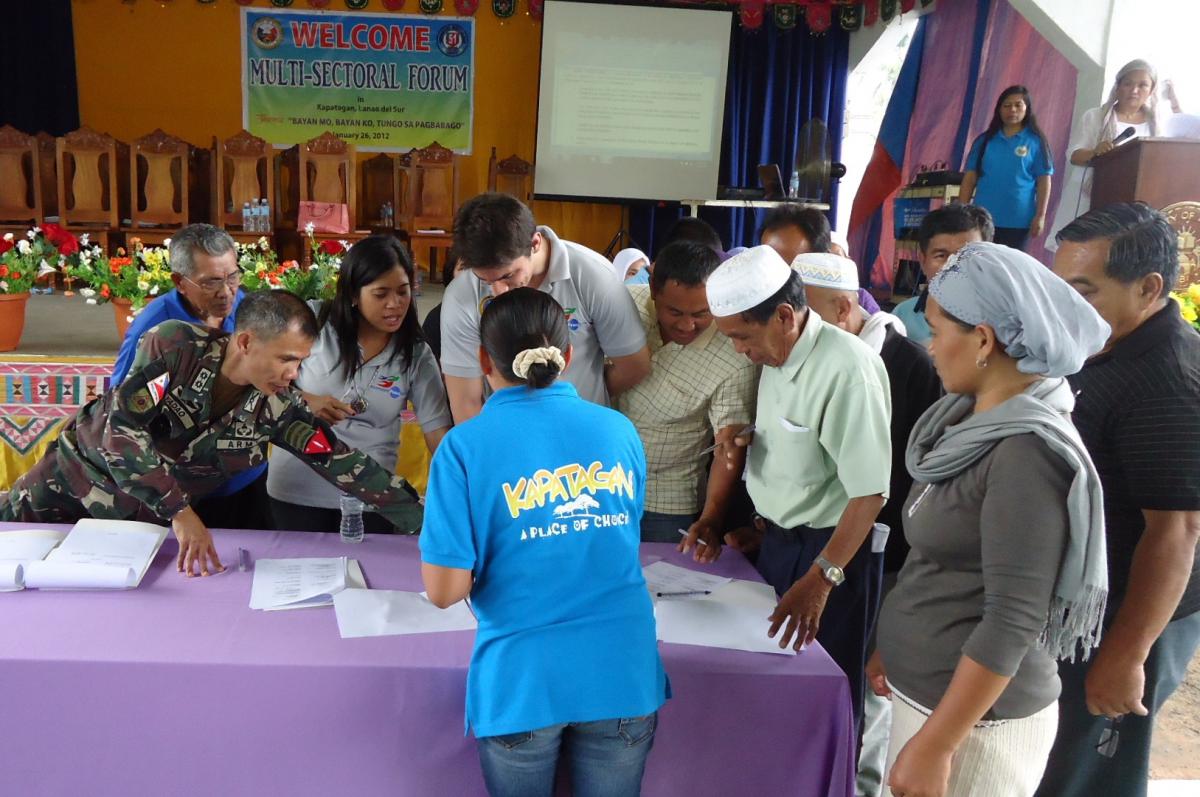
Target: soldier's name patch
<point>238,444</point>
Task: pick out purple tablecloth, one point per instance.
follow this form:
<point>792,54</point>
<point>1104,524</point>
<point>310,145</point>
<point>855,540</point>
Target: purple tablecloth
<point>180,688</point>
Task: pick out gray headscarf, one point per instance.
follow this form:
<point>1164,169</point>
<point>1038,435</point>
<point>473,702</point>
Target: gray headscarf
<point>1040,320</point>
<point>1048,329</point>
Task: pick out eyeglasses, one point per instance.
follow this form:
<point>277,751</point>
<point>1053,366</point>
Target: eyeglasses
<point>1110,737</point>
<point>215,284</point>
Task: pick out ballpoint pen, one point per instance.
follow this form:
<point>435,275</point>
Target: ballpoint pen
<point>702,542</point>
<point>745,431</point>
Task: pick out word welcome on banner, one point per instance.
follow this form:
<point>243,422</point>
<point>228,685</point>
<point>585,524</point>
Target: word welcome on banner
<point>380,81</point>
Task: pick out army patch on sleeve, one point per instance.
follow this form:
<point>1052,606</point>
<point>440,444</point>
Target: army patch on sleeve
<point>306,439</point>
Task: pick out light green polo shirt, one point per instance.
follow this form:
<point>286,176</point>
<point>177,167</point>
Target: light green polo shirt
<point>822,430</point>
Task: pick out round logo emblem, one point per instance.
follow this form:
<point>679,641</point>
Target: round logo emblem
<point>267,33</point>
<point>573,324</point>
<point>1022,151</point>
<point>484,302</point>
<point>452,41</point>
<point>396,392</point>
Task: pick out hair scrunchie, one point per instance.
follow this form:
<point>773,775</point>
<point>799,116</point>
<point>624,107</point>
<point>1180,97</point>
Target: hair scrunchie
<point>544,355</point>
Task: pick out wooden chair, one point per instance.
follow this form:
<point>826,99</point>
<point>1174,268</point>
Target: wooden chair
<point>1185,218</point>
<point>432,196</point>
<point>377,187</point>
<point>512,176</point>
<point>20,180</point>
<point>159,186</point>
<point>321,169</point>
<point>243,171</point>
<point>87,169</point>
<point>47,175</point>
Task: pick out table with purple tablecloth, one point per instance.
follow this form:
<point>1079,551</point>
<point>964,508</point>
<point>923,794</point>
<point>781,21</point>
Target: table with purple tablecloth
<point>179,688</point>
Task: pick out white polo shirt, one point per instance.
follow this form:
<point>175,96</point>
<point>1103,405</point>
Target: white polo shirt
<point>600,315</point>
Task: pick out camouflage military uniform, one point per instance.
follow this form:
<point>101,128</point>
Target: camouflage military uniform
<point>147,449</point>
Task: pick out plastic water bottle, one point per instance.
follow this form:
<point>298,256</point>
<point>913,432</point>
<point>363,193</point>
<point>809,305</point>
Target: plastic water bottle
<point>266,215</point>
<point>247,221</point>
<point>352,520</point>
<point>794,185</point>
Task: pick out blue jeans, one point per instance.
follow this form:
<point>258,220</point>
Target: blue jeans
<point>606,757</point>
<point>661,527</point>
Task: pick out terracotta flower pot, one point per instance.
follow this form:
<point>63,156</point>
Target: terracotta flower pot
<point>123,313</point>
<point>12,319</point>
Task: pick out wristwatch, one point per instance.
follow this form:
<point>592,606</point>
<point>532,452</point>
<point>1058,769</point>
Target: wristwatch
<point>832,573</point>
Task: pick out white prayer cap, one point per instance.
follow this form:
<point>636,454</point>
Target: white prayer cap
<point>746,280</point>
<point>827,270</point>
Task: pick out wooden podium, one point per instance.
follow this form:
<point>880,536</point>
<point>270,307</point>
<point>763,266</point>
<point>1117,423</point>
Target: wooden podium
<point>1157,171</point>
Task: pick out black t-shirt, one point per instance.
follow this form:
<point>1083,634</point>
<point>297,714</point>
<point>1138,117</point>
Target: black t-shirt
<point>915,385</point>
<point>432,327</point>
<point>1138,411</point>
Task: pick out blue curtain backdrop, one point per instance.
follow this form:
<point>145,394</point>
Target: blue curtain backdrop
<point>777,81</point>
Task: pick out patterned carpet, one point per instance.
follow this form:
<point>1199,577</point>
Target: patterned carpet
<point>36,394</point>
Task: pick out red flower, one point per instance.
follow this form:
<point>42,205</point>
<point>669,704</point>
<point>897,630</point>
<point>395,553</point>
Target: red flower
<point>3,271</point>
<point>5,245</point>
<point>273,278</point>
<point>63,241</point>
<point>331,247</point>
<point>16,275</point>
<point>105,291</point>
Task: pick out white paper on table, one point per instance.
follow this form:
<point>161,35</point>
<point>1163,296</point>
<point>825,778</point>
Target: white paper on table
<point>12,575</point>
<point>666,577</point>
<point>297,583</point>
<point>21,546</point>
<point>383,612</point>
<point>99,554</point>
<point>79,575</point>
<point>733,617</point>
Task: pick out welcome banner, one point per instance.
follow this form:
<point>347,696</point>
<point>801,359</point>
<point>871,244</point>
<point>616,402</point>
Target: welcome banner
<point>380,81</point>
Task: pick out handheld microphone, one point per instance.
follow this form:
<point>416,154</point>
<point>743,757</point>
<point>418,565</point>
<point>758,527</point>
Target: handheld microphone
<point>1129,133</point>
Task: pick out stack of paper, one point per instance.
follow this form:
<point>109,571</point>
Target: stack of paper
<point>18,549</point>
<point>302,583</point>
<point>381,612</point>
<point>734,617</point>
<point>665,580</point>
<point>98,554</point>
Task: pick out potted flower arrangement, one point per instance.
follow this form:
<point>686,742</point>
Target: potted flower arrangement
<point>128,281</point>
<point>23,261</point>
<point>1189,304</point>
<point>261,269</point>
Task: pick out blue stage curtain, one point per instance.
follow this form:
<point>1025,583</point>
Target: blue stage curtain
<point>778,80</point>
<point>37,83</point>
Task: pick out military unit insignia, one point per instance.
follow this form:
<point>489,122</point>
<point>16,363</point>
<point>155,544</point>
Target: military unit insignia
<point>318,444</point>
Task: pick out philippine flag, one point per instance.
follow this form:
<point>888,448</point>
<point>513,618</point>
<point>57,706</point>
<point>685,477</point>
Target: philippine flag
<point>871,214</point>
<point>158,387</point>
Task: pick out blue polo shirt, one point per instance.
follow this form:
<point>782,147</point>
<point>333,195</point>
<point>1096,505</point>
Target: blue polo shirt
<point>170,307</point>
<point>1011,166</point>
<point>541,496</point>
<point>912,313</point>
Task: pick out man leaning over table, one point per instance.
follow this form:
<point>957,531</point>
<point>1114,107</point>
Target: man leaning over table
<point>198,407</point>
<point>819,459</point>
<point>204,268</point>
<point>699,389</point>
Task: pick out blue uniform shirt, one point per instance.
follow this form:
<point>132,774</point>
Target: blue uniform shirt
<point>912,313</point>
<point>170,307</point>
<point>1011,166</point>
<point>541,496</point>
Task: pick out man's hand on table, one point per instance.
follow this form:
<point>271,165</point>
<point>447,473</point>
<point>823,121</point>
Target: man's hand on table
<point>801,606</point>
<point>195,545</point>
